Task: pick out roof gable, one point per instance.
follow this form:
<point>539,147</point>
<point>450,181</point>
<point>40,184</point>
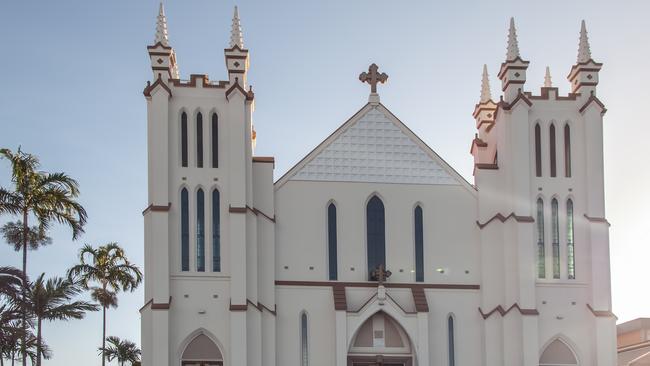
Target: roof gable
<point>374,147</point>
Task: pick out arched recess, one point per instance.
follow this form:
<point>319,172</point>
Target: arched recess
<point>380,338</point>
<point>375,234</point>
<point>558,353</point>
<point>201,349</point>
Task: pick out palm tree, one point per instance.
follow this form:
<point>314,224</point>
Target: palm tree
<point>10,332</point>
<point>122,350</point>
<point>10,282</point>
<point>46,197</point>
<point>52,300</point>
<point>108,267</point>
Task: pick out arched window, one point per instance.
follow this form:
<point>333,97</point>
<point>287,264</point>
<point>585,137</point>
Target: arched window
<point>199,140</point>
<point>332,241</point>
<point>555,227</point>
<point>304,341</point>
<point>376,233</point>
<point>451,341</point>
<point>185,231</point>
<point>419,245</point>
<point>569,240</point>
<point>215,140</point>
<point>567,150</point>
<point>200,231</point>
<point>201,351</point>
<point>541,255</point>
<point>557,353</point>
<point>538,151</point>
<point>216,232</point>
<point>552,149</point>
<point>184,139</point>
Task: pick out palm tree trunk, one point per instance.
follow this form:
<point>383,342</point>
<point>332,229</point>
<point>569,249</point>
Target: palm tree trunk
<point>23,348</point>
<point>104,337</point>
<point>38,342</point>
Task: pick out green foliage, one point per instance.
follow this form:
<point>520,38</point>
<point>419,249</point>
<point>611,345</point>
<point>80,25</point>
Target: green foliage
<point>121,350</point>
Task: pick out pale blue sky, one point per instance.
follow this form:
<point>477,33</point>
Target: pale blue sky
<point>74,70</point>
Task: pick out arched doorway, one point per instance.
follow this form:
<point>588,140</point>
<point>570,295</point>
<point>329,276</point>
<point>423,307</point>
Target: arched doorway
<point>380,341</point>
<point>201,351</point>
<point>558,353</point>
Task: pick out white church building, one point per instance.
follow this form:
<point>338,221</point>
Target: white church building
<point>372,250</point>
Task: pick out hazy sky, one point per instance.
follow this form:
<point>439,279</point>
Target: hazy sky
<point>74,71</point>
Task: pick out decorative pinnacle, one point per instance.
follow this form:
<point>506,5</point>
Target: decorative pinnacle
<point>513,45</point>
<point>485,86</point>
<point>584,52</point>
<point>547,78</point>
<point>161,27</point>
<point>236,35</point>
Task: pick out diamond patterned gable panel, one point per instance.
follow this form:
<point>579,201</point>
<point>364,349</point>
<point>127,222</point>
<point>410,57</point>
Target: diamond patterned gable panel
<point>374,150</point>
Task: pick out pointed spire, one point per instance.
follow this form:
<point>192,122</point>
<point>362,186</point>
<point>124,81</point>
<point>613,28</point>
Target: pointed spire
<point>161,28</point>
<point>584,52</point>
<point>513,45</point>
<point>547,78</point>
<point>485,86</point>
<point>236,36</point>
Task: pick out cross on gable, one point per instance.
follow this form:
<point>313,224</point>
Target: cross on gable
<point>373,77</point>
<point>380,274</point>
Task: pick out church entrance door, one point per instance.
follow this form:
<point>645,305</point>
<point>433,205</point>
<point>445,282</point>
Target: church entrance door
<point>379,360</point>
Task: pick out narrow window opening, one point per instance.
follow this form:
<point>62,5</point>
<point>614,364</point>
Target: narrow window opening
<point>567,151</point>
<point>215,141</point>
<point>376,234</point>
<point>199,140</point>
<point>184,139</point>
<point>332,241</point>
<point>200,231</point>
<point>538,151</point>
<point>541,257</point>
<point>553,153</point>
<point>451,341</point>
<point>185,231</point>
<point>419,245</point>
<point>556,239</point>
<point>216,232</point>
<point>304,346</point>
<point>569,240</point>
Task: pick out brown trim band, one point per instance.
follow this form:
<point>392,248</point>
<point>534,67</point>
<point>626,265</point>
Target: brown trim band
<point>156,208</point>
<point>520,96</point>
<point>600,220</point>
<point>503,312</point>
<point>545,94</point>
<point>601,313</point>
<point>150,87</point>
<point>264,159</point>
<point>500,217</point>
<point>594,99</point>
<point>158,44</point>
<point>237,209</point>
<point>255,212</point>
<point>486,166</point>
<point>420,300</point>
<point>238,307</point>
<point>249,95</point>
<point>515,82</point>
<point>633,347</point>
<point>340,300</point>
<point>259,306</point>
<point>192,83</point>
<point>157,306</point>
<point>374,284</point>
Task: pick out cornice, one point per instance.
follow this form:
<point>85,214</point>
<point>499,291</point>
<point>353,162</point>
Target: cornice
<point>500,217</point>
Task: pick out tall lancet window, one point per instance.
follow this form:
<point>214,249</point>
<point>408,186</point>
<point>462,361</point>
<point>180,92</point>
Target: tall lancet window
<point>567,151</point>
<point>569,240</point>
<point>216,231</point>
<point>376,233</point>
<point>553,152</point>
<point>451,341</point>
<point>199,140</point>
<point>304,340</point>
<point>185,231</point>
<point>538,151</point>
<point>184,139</point>
<point>541,257</point>
<point>419,244</point>
<point>332,242</point>
<point>215,140</point>
<point>555,227</point>
<point>200,231</point>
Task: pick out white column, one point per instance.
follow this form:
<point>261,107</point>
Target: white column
<point>341,338</point>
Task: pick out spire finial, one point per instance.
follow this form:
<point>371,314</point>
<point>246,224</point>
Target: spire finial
<point>547,78</point>
<point>584,52</point>
<point>513,45</point>
<point>236,36</point>
<point>161,27</point>
<point>485,86</point>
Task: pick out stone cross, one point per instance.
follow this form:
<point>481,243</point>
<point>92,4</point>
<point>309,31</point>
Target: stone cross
<point>380,274</point>
<point>372,77</point>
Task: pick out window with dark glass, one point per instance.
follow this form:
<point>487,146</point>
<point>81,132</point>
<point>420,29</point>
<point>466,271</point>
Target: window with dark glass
<point>376,234</point>
<point>419,245</point>
<point>569,240</point>
<point>538,151</point>
<point>567,151</point>
<point>215,140</point>
<point>450,342</point>
<point>552,149</point>
<point>556,238</point>
<point>332,241</point>
<point>184,139</point>
<point>200,231</point>
<point>304,346</point>
<point>199,140</point>
<point>185,231</point>
<point>541,255</point>
<point>216,232</point>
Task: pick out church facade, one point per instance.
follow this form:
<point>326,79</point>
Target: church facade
<point>372,250</point>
